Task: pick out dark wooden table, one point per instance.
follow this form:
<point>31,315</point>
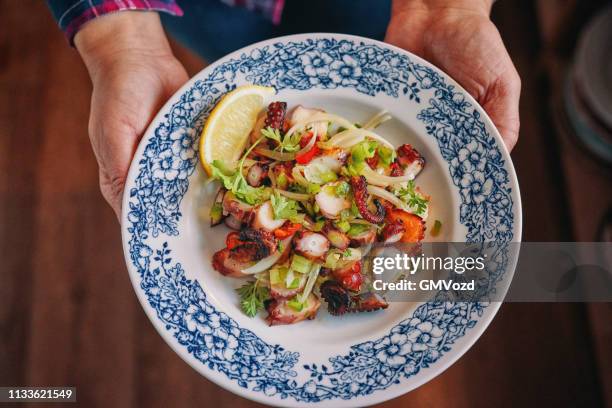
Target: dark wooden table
<point>68,314</point>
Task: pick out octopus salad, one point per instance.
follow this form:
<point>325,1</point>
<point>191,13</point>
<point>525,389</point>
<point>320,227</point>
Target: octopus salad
<point>310,195</point>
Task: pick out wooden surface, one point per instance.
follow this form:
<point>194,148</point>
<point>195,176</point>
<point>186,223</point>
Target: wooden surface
<point>68,314</point>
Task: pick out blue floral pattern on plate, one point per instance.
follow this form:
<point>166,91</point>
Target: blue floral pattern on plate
<point>216,340</point>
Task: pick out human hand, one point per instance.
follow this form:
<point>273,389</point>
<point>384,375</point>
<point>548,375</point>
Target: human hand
<point>133,72</point>
<point>458,37</point>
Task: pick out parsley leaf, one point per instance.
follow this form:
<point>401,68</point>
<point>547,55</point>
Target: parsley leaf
<point>252,297</point>
<point>283,207</point>
<point>289,143</point>
<point>234,181</point>
<point>413,199</point>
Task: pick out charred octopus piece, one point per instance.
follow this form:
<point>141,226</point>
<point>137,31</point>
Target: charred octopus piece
<point>275,116</point>
<point>257,174</point>
<point>279,312</point>
<point>239,213</point>
<point>349,276</point>
<point>367,302</point>
<point>340,302</point>
<point>243,248</point>
<point>393,231</point>
<point>312,245</point>
<point>407,155</point>
<point>408,160</point>
<point>359,185</point>
<point>363,238</point>
<point>336,237</point>
<point>336,296</point>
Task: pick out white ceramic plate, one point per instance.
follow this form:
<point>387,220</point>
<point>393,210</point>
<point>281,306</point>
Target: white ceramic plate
<point>353,360</point>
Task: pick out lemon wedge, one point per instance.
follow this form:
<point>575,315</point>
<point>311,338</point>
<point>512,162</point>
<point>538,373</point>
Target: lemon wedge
<point>227,129</point>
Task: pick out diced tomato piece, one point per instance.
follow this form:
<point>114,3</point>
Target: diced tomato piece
<point>305,139</point>
<point>415,226</point>
<point>306,157</point>
<point>396,170</point>
<point>232,240</point>
<point>287,230</point>
<point>373,161</point>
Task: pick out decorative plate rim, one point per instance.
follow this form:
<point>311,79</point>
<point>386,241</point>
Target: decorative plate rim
<point>390,391</point>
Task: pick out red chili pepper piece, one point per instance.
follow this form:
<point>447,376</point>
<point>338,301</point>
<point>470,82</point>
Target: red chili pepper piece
<point>287,230</point>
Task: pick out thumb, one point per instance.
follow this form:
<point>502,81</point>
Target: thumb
<point>111,188</point>
<point>501,102</point>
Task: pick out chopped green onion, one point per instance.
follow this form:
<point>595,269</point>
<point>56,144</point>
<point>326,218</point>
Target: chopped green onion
<point>312,278</point>
<point>281,181</point>
<point>293,283</point>
<point>216,213</point>
<point>318,226</point>
<point>356,229</point>
<point>343,226</point>
<point>331,260</point>
<point>386,154</point>
<point>345,215</point>
<point>278,274</point>
<point>363,150</point>
<point>435,231</point>
<point>313,188</point>
<point>295,304</point>
<point>328,176</point>
<point>342,189</point>
<point>300,264</point>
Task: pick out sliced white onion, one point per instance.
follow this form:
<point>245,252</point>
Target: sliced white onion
<point>377,120</point>
<point>354,255</point>
<point>284,156</point>
<point>309,145</point>
<point>314,169</point>
<point>268,262</point>
<point>298,177</point>
<point>294,196</point>
<point>322,117</point>
<point>350,137</point>
<point>384,181</point>
<point>386,195</point>
<point>312,278</point>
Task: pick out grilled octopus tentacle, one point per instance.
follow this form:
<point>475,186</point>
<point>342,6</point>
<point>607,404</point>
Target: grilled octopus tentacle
<point>340,302</point>
<point>359,185</point>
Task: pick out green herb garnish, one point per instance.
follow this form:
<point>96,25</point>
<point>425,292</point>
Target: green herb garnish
<point>413,199</point>
<point>283,207</point>
<point>234,181</point>
<point>252,297</point>
<point>435,231</point>
<point>295,304</point>
<point>289,143</point>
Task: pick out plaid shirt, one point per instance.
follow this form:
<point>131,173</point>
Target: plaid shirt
<point>71,15</point>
